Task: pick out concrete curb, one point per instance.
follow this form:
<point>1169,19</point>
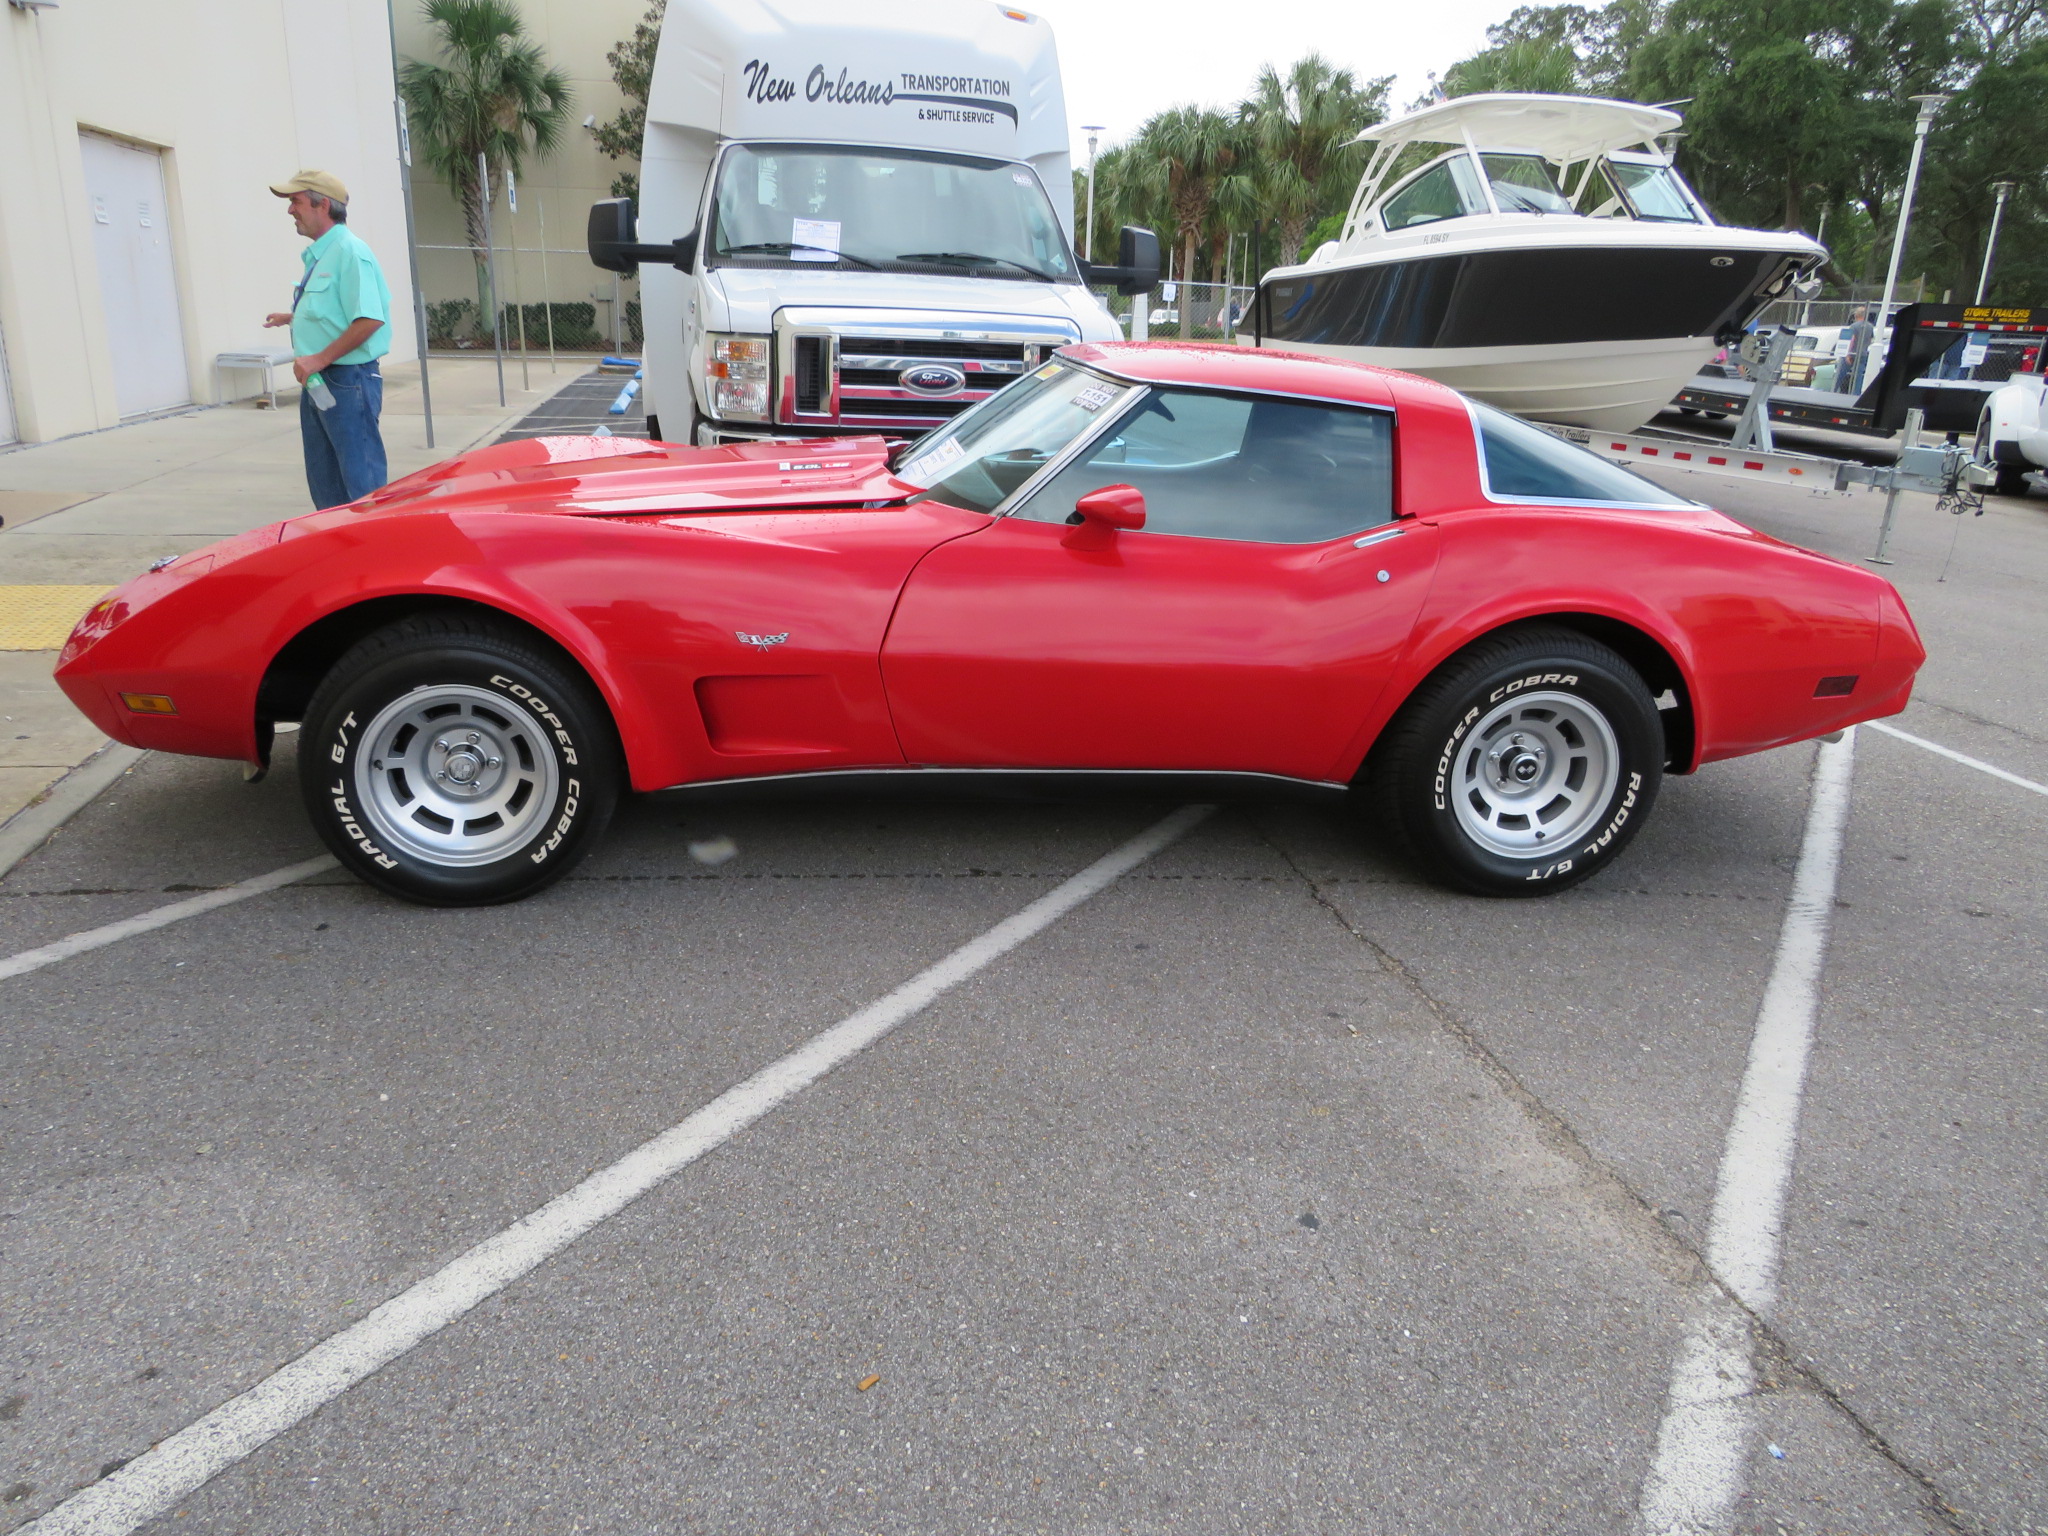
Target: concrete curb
<point>28,828</point>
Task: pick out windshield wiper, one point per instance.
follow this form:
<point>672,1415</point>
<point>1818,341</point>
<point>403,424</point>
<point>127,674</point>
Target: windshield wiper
<point>975,258</point>
<point>785,248</point>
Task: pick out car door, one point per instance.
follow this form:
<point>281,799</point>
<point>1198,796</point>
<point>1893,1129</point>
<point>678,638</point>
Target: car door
<point>1248,627</point>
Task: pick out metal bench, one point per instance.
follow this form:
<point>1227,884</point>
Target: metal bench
<point>265,359</point>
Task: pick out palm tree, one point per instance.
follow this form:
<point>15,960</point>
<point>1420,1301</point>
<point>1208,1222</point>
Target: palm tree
<point>495,96</point>
<point>1301,123</point>
<point>1187,152</point>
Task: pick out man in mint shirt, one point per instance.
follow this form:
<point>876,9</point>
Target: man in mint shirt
<point>340,319</point>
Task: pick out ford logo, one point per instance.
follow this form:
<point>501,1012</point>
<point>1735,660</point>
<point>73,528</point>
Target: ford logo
<point>933,379</point>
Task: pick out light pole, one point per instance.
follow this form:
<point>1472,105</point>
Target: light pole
<point>1088,229</point>
<point>2004,190</point>
<point>1929,105</point>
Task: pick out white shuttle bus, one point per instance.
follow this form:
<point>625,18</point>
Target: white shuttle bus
<point>852,219</point>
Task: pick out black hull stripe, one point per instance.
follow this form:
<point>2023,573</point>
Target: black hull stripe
<point>1523,298</point>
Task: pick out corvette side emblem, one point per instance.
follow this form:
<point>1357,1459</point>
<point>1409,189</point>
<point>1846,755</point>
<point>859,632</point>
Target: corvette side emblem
<point>762,642</point>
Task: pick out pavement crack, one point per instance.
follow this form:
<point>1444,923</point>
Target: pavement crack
<point>1960,713</point>
<point>1551,1127</point>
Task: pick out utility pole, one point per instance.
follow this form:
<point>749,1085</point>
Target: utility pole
<point>2004,190</point>
<point>412,246</point>
<point>1088,229</point>
<point>1929,105</point>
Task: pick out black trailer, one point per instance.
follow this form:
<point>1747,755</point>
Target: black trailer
<point>1927,373</point>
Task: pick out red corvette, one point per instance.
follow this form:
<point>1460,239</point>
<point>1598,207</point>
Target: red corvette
<point>1208,562</point>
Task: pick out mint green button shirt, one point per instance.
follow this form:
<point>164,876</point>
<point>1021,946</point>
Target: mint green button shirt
<point>343,284</point>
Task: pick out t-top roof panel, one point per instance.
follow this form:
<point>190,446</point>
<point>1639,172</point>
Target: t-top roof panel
<point>1562,128</point>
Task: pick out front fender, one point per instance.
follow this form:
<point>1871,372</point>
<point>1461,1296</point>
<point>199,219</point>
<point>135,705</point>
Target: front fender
<point>2015,431</point>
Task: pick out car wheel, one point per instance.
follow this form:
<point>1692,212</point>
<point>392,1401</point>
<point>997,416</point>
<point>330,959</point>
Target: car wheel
<point>2011,481</point>
<point>1522,766</point>
<point>449,761</point>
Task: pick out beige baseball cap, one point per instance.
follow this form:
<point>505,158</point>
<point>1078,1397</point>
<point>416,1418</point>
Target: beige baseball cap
<point>314,181</point>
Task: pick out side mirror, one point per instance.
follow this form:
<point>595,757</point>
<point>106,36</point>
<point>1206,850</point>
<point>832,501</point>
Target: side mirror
<point>1113,507</point>
<point>1137,263</point>
<point>610,236</point>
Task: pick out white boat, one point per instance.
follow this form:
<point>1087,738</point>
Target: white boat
<point>1552,262</point>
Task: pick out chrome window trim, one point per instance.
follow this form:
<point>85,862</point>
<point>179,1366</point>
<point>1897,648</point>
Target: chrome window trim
<point>1504,500</point>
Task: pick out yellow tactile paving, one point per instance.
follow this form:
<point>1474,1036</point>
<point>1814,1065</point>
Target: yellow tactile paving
<point>41,618</point>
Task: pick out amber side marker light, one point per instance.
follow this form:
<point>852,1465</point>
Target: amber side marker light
<point>150,703</point>
<point>1834,687</point>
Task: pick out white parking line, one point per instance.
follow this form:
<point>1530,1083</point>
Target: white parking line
<point>1701,1445</point>
<point>153,1481</point>
<point>160,917</point>
<point>1955,756</point>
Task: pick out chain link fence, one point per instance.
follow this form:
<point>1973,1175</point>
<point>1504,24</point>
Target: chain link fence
<point>1186,311</point>
<point>550,299</point>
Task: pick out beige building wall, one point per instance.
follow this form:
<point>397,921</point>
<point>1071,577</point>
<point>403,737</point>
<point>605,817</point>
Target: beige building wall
<point>555,194</point>
<point>236,94</point>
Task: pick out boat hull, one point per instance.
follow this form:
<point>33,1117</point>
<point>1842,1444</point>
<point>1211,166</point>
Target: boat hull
<point>1600,335</point>
<point>1611,386</point>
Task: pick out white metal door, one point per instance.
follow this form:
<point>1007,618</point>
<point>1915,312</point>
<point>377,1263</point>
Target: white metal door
<point>138,286</point>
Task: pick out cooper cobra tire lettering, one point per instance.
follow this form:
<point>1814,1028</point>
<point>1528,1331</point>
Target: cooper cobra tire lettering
<point>569,806</point>
<point>1539,680</point>
<point>1443,763</point>
<point>535,703</point>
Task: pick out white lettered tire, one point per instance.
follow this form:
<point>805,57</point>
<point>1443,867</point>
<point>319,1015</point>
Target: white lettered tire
<point>453,762</point>
<point>1521,767</point>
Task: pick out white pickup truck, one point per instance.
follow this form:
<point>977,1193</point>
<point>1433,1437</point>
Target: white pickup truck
<point>861,217</point>
<point>2012,434</point>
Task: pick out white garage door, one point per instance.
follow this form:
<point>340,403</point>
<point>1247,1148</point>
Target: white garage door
<point>138,285</point>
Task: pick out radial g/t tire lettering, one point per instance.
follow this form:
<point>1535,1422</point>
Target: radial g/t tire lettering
<point>453,762</point>
<point>1522,766</point>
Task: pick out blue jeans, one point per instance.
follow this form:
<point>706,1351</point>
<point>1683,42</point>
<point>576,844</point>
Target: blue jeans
<point>344,452</point>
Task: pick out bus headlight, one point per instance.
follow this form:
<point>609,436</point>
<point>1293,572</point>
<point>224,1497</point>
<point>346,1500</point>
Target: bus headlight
<point>736,376</point>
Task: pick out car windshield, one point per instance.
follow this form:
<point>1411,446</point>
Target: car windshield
<point>896,210</point>
<point>979,458</point>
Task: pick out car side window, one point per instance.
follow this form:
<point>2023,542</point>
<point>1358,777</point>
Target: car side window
<point>1521,462</point>
<point>1238,467</point>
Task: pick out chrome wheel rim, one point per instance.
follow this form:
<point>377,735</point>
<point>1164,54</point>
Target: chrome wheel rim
<point>455,775</point>
<point>1534,775</point>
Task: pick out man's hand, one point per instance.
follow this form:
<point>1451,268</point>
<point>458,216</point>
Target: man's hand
<point>304,368</point>
<point>277,317</point>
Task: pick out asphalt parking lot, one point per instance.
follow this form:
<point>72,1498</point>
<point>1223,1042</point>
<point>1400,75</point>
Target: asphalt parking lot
<point>1262,1189</point>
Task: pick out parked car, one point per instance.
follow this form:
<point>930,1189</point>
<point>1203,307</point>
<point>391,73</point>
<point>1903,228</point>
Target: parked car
<point>1194,567</point>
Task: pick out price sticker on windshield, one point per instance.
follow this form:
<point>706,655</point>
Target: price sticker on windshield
<point>1094,397</point>
<point>929,466</point>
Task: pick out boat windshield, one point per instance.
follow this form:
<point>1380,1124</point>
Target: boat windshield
<point>1447,190</point>
<point>1450,189</point>
<point>1643,191</point>
<point>985,453</point>
<point>1524,184</point>
<point>895,210</point>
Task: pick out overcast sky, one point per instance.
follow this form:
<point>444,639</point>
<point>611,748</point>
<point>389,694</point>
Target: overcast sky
<point>1123,60</point>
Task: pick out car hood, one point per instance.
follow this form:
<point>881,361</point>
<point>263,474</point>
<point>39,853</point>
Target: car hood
<point>618,477</point>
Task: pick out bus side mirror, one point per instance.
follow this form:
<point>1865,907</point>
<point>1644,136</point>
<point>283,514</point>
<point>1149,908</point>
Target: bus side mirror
<point>610,236</point>
<point>1137,263</point>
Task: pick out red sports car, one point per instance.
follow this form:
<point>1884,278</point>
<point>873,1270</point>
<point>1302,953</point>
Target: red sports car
<point>1208,563</point>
